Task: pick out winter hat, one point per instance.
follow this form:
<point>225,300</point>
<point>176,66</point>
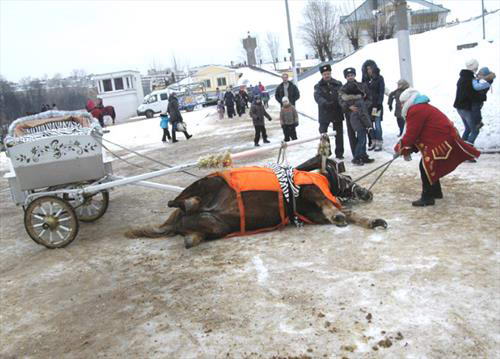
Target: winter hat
<point>349,70</point>
<point>285,100</point>
<point>407,97</point>
<point>325,68</point>
<point>472,65</point>
<point>406,94</point>
<point>484,71</point>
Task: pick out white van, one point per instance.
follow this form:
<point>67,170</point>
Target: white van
<point>155,102</point>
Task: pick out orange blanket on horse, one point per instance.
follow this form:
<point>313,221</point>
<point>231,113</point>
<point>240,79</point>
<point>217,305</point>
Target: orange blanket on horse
<point>264,179</point>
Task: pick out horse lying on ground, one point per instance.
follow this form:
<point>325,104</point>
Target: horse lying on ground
<point>249,200</point>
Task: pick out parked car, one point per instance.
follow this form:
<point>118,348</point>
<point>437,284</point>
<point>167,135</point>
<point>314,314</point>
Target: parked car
<point>155,102</point>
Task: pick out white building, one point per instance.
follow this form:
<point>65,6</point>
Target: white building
<point>122,90</point>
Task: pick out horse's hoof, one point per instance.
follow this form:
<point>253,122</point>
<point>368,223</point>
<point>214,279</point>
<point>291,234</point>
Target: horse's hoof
<point>188,242</point>
<point>379,222</point>
<point>191,241</point>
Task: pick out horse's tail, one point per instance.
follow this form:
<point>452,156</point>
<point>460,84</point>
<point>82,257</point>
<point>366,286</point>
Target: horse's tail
<point>150,232</point>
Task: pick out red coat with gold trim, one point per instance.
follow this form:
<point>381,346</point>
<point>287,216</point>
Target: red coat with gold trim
<point>431,132</point>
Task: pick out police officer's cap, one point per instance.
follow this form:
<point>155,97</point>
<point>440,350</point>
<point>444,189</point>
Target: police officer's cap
<point>349,70</point>
<point>324,68</point>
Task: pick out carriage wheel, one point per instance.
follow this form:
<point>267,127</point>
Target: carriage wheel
<point>51,222</point>
<point>92,208</point>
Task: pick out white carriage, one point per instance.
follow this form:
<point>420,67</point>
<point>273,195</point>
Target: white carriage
<point>50,153</point>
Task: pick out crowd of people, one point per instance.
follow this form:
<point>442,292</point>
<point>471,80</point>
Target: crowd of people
<point>359,103</point>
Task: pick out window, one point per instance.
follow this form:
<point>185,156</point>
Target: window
<point>163,96</point>
<point>106,84</point>
<point>128,82</point>
<point>207,83</point>
<point>221,81</point>
<point>152,98</point>
<point>119,83</point>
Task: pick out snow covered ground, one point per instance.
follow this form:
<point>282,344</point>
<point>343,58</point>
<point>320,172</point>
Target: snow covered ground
<point>427,287</point>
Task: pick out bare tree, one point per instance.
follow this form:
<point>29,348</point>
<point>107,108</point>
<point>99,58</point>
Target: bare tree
<point>321,28</point>
<point>273,46</point>
<point>351,28</point>
<point>175,65</point>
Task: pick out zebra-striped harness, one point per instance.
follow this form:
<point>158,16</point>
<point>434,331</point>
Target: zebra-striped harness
<point>290,190</point>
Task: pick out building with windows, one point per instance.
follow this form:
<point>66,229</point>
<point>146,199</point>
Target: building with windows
<point>374,20</point>
<point>122,90</point>
<point>215,76</point>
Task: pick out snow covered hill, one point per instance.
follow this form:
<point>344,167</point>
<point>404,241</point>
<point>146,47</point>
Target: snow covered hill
<point>436,65</point>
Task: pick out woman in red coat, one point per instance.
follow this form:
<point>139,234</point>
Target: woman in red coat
<point>429,131</point>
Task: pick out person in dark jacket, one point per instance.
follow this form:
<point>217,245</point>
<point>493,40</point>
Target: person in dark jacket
<point>241,101</point>
<point>229,101</point>
<point>175,116</point>
<point>394,95</point>
<point>329,110</point>
<point>287,89</point>
<point>465,96</point>
<point>376,88</point>
<point>257,113</point>
<point>353,98</point>
<point>289,120</point>
<point>365,78</point>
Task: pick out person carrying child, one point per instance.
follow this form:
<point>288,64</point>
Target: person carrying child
<point>353,98</point>
<point>394,95</point>
<point>257,113</point>
<point>481,85</point>
<point>289,120</point>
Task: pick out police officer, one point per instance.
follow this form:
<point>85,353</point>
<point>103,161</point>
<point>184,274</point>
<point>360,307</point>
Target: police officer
<point>329,110</point>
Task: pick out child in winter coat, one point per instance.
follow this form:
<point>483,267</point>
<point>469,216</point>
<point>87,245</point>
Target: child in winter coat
<point>220,109</point>
<point>481,85</point>
<point>289,120</point>
<point>394,95</point>
<point>164,125</point>
<point>257,113</point>
<point>353,100</point>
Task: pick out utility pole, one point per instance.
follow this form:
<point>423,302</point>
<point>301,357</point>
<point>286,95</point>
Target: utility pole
<point>484,28</point>
<point>292,52</point>
<point>403,36</point>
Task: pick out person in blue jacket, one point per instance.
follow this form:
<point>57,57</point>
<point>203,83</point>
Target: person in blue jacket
<point>164,120</point>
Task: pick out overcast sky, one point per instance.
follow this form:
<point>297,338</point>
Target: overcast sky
<point>40,37</point>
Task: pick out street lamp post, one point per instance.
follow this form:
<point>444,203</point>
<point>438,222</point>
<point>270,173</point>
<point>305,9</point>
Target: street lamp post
<point>292,51</point>
<point>482,13</point>
<point>403,36</point>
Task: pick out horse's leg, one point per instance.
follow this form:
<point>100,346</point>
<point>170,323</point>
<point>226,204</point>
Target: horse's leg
<point>188,205</point>
<point>366,222</point>
<point>167,229</point>
<point>200,226</point>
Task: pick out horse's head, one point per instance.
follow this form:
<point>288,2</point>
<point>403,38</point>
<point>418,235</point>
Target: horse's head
<point>341,185</point>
